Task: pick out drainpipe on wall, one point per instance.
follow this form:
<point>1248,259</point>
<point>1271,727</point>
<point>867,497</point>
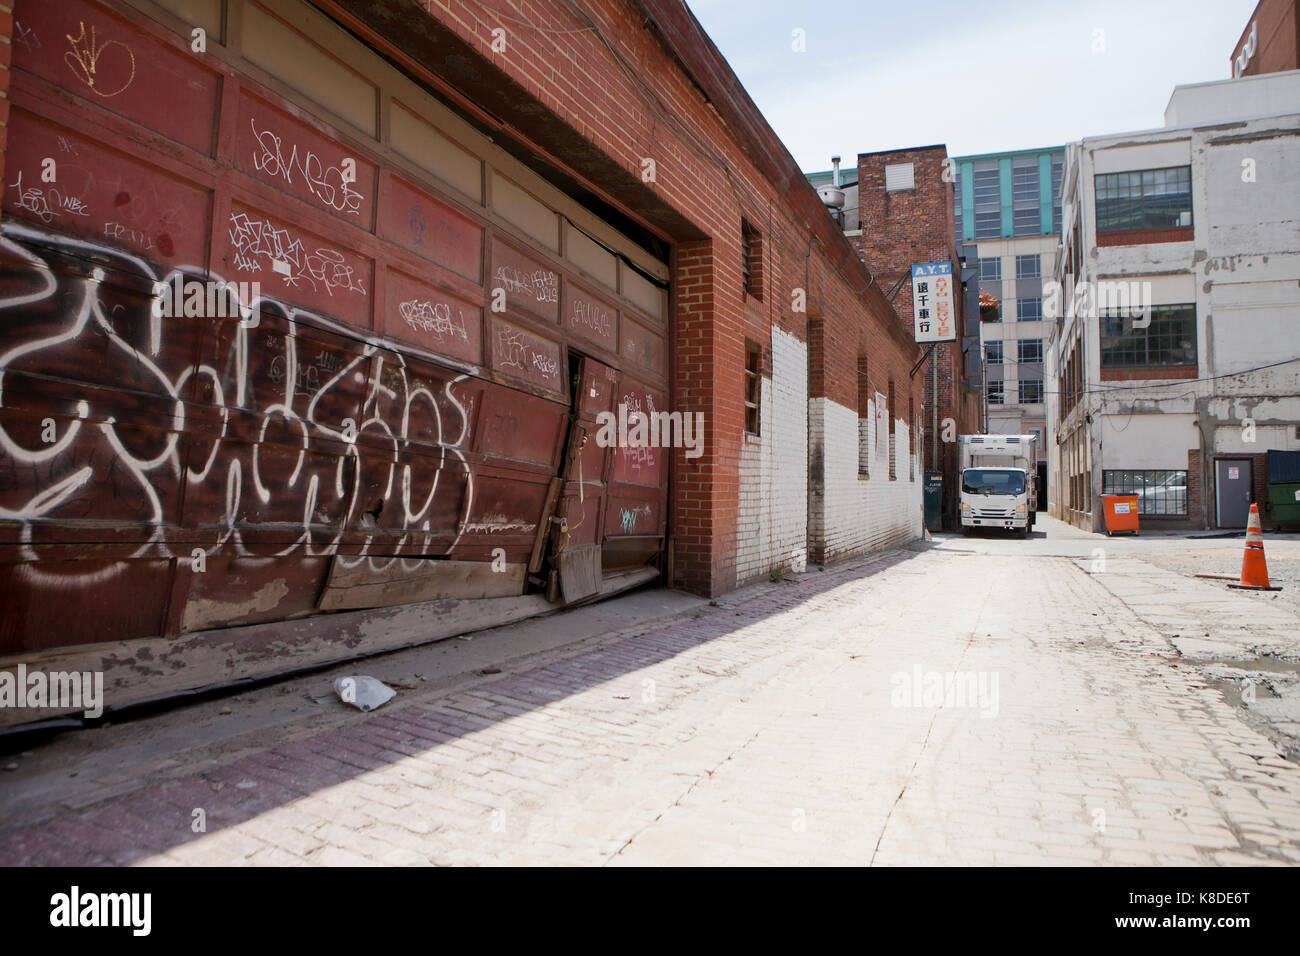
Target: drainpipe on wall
<point>984,389</point>
<point>934,410</point>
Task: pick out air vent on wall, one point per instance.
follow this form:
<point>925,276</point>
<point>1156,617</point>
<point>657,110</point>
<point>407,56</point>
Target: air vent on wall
<point>900,176</point>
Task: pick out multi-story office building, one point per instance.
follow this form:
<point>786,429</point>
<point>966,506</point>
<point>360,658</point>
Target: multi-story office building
<point>1174,364</point>
<point>1008,207</point>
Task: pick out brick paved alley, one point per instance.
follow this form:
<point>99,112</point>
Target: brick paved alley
<point>761,730</point>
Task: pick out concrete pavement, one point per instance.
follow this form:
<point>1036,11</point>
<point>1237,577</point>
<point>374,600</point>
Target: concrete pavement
<point>963,701</point>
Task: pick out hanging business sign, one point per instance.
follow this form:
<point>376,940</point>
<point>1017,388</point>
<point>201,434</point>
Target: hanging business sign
<point>932,302</point>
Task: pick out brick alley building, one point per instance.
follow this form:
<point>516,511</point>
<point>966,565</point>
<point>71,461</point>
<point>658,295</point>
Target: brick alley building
<point>456,240</point>
<point>905,216</point>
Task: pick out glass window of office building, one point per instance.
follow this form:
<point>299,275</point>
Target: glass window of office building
<point>1025,204</point>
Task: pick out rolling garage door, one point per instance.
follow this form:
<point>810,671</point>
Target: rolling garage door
<point>428,329</point>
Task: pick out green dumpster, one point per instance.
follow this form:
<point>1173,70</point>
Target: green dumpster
<point>1284,488</point>
<point>1284,503</point>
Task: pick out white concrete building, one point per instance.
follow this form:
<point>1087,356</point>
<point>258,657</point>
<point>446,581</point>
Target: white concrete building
<point>1174,359</point>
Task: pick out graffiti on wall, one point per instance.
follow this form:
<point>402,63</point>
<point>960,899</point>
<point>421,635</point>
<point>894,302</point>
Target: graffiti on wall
<point>259,243</point>
<point>330,184</point>
<point>106,67</point>
<point>292,424</point>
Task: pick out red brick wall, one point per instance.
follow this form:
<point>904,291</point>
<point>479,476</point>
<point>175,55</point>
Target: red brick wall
<point>1277,38</point>
<point>622,90</point>
<point>899,229</point>
<point>907,226</point>
<point>1150,373</point>
<point>1259,484</point>
<point>1144,237</point>
<point>602,82</point>
<point>834,354</point>
<point>1195,495</point>
<point>693,521</point>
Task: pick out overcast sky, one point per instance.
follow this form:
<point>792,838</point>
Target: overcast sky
<point>979,75</point>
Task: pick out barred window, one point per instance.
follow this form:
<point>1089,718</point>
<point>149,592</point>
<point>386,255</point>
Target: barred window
<point>864,419</point>
<point>1167,338</point>
<point>995,392</point>
<point>893,438</point>
<point>753,387</point>
<point>1159,492</point>
<point>751,261</point>
<point>1147,199</point>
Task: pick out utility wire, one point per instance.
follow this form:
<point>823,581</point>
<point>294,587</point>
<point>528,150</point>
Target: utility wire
<point>1172,383</point>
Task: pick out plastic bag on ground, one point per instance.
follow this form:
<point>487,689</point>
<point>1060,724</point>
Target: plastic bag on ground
<point>363,693</point>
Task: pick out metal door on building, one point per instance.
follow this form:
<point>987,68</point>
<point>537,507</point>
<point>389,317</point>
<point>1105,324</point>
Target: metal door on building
<point>361,432</point>
<point>1233,480</point>
<point>577,533</point>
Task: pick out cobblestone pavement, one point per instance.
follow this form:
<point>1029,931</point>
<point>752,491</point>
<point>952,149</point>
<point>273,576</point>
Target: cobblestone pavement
<point>791,724</point>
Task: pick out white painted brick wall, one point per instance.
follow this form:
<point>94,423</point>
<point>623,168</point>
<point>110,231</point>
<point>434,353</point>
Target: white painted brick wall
<point>772,523</point>
<point>855,515</point>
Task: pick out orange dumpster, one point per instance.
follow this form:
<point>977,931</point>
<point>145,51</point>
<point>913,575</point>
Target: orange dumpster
<point>1121,513</point>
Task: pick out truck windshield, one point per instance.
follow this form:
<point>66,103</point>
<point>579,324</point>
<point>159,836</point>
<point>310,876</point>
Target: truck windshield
<point>992,481</point>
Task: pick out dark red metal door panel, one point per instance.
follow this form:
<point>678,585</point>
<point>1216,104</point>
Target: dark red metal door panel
<point>93,53</point>
<point>372,405</point>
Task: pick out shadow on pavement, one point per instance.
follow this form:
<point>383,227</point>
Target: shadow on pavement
<point>159,815</point>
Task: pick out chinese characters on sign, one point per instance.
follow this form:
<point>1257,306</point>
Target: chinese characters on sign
<point>932,314</point>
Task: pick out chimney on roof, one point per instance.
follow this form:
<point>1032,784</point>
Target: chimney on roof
<point>832,196</point>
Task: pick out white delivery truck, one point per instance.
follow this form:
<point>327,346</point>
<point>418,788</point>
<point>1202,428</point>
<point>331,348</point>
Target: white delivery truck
<point>997,482</point>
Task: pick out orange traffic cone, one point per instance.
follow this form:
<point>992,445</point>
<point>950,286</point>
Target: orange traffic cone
<point>1254,569</point>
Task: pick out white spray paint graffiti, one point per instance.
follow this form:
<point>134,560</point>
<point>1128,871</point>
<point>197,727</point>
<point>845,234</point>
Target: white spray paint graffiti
<point>540,284</point>
<point>324,270</point>
<point>393,408</point>
<point>435,317</point>
<point>328,184</point>
<point>593,317</point>
<point>515,352</point>
<point>47,204</point>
